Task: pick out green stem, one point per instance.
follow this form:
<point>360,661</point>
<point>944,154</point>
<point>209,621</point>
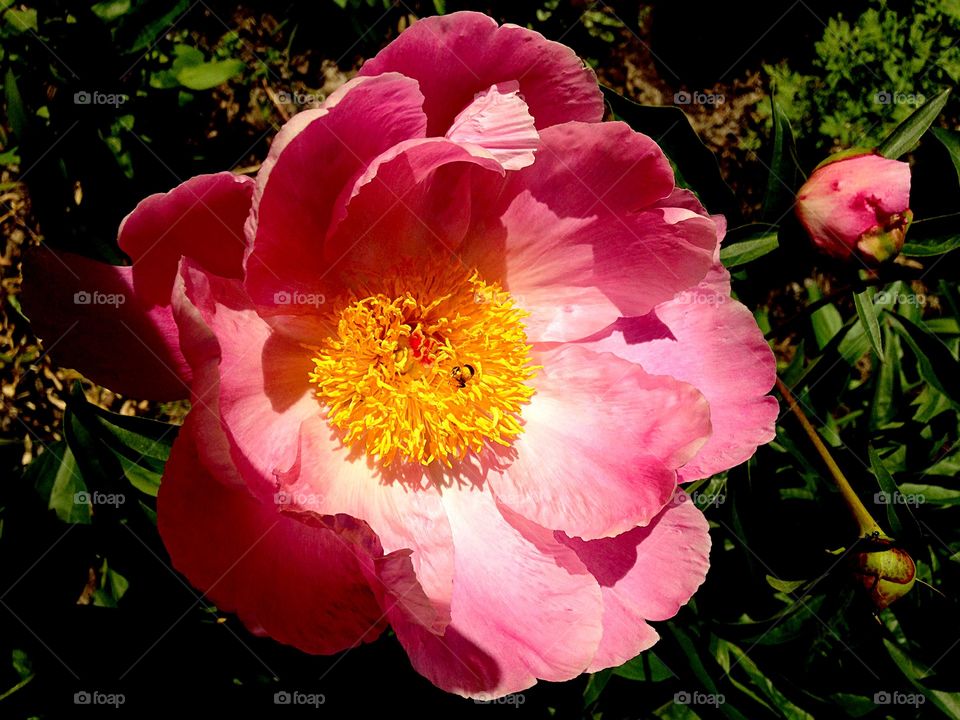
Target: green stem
<point>867,525</point>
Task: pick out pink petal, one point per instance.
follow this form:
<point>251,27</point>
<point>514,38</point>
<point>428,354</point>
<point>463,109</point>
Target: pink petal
<point>406,512</point>
<point>300,579</point>
<point>601,444</point>
<point>91,318</point>
<point>590,213</point>
<point>705,338</point>
<point>201,219</point>
<point>456,56</point>
<point>843,199</point>
<point>647,573</point>
<point>413,203</point>
<point>499,121</point>
<point>310,166</point>
<point>524,607</point>
<point>248,378</point>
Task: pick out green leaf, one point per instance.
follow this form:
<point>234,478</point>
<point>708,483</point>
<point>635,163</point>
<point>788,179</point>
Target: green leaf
<point>951,141</point>
<point>907,134</point>
<point>209,74</point>
<point>16,113</point>
<point>936,363</point>
<point>671,129</point>
<point>914,671</point>
<point>149,29</point>
<point>929,247</point>
<point>56,476</point>
<point>887,486</point>
<point>758,243</point>
<point>884,406</point>
<point>763,683</point>
<point>595,685</point>
<point>868,319</point>
<point>784,586</point>
<point>440,6</point>
<point>784,168</point>
<point>826,321</point>
<point>21,20</point>
<point>932,494</point>
<point>111,9</point>
<point>646,667</point>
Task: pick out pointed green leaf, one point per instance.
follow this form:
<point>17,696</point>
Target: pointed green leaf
<point>868,318</point>
<point>908,133</point>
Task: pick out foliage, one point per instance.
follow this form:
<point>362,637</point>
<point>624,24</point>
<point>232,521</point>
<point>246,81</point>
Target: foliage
<point>871,71</point>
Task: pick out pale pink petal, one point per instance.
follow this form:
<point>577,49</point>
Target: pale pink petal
<point>711,341</point>
<point>456,56</point>
<point>248,378</point>
<point>406,511</point>
<point>202,218</point>
<point>302,580</point>
<point>590,214</point>
<point>524,607</point>
<point>304,176</point>
<point>499,121</point>
<point>601,443</point>
<point>647,573</point>
<point>91,318</point>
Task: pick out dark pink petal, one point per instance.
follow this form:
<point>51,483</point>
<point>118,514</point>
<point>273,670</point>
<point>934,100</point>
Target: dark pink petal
<point>308,170</point>
<point>524,607</point>
<point>706,338</point>
<point>601,444</point>
<point>647,573</point>
<point>499,121</point>
<point>412,204</point>
<point>201,219</point>
<point>456,56</point>
<point>301,579</point>
<point>91,318</point>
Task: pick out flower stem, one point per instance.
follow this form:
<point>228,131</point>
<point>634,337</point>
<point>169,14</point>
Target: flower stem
<point>868,526</point>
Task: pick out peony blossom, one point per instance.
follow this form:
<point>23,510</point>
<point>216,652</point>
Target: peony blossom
<point>857,203</point>
<point>449,357</point>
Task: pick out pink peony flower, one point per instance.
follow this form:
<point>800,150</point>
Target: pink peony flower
<point>476,339</point>
<point>857,203</point>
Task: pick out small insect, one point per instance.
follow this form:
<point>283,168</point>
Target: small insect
<point>462,373</point>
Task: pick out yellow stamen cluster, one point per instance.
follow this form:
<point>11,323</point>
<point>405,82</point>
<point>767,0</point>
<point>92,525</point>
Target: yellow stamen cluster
<point>425,367</point>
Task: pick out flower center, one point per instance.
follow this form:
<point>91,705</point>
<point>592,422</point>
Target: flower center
<point>425,367</point>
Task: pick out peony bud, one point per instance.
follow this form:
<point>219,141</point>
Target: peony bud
<point>857,202</point>
<point>887,574</point>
